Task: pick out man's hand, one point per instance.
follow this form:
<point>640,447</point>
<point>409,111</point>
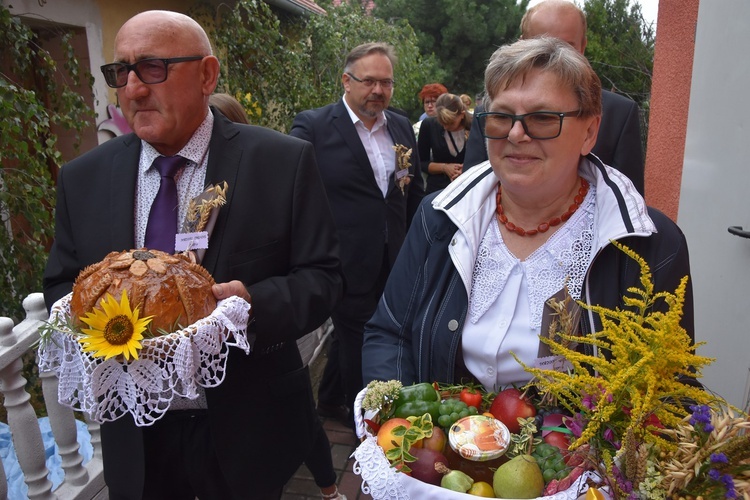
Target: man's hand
<point>235,287</point>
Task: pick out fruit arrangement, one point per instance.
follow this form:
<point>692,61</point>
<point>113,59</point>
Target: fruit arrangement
<point>641,425</point>
<point>458,437</point>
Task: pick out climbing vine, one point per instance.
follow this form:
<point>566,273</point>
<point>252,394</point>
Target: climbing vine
<point>36,95</point>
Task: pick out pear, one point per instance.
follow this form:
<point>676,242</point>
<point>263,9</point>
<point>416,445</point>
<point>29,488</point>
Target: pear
<point>521,477</point>
<point>455,480</point>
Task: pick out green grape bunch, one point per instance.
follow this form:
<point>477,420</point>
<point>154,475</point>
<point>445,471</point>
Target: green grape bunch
<point>452,410</point>
<point>551,462</point>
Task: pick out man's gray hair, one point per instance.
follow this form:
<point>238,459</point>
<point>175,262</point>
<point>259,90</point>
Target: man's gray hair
<point>514,61</point>
<point>366,49</point>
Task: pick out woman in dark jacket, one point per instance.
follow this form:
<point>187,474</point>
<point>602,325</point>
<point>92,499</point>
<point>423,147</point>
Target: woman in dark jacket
<point>442,142</point>
<point>483,256</point>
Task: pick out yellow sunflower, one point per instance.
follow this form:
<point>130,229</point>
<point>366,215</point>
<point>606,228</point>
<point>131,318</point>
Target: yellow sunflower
<point>114,330</point>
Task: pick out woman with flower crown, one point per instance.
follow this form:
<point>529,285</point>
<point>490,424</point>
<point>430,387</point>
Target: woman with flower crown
<point>472,279</point>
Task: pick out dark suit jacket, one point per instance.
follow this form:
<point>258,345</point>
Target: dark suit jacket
<point>276,235</point>
<point>364,219</point>
<point>618,144</point>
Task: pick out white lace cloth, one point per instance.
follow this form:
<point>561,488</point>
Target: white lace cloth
<point>167,366</point>
<point>383,482</point>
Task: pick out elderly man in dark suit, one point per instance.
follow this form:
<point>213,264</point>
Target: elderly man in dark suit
<point>374,188</point>
<point>619,141</point>
<point>273,244</point>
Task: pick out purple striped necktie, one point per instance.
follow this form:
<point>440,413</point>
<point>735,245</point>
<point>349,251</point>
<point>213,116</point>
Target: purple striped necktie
<point>162,220</point>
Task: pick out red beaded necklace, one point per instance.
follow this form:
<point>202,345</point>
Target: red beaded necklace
<point>544,226</point>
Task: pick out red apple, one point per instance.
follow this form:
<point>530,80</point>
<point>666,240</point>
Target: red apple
<point>510,405</point>
<point>559,439</point>
<point>436,441</point>
<point>552,436</point>
<point>424,467</point>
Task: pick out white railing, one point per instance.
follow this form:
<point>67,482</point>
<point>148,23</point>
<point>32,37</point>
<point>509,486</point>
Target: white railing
<point>81,481</point>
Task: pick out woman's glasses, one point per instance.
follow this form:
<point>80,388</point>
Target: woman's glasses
<point>537,125</point>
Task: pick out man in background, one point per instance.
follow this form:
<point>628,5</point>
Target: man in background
<point>374,192</point>
<point>619,142</point>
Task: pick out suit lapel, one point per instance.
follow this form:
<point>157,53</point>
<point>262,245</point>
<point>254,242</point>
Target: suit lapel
<point>223,165</point>
<point>121,191</point>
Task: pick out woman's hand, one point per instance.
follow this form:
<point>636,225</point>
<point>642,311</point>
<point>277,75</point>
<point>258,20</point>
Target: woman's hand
<point>453,170</point>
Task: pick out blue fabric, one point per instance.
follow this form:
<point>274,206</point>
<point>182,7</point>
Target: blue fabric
<point>17,488</point>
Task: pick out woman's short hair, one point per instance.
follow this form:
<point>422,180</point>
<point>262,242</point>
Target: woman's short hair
<point>433,90</point>
<point>229,107</point>
<point>512,62</point>
<point>448,107</point>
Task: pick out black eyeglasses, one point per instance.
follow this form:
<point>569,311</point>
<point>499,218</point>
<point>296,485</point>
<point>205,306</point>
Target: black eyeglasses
<point>537,125</point>
<point>152,70</point>
<point>369,82</point>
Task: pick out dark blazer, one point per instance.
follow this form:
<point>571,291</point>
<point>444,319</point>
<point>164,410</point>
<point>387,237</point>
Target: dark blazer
<point>365,221</point>
<point>276,235</point>
<point>617,145</point>
<point>433,147</point>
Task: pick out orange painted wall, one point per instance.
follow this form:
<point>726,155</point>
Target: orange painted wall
<point>670,97</point>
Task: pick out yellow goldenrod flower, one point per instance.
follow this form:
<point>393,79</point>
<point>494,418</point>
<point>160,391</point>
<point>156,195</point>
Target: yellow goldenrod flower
<point>639,379</point>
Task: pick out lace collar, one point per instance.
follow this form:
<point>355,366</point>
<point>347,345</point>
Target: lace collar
<point>563,259</point>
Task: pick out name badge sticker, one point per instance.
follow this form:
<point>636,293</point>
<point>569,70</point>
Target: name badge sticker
<point>191,241</point>
<point>556,363</point>
<point>402,173</point>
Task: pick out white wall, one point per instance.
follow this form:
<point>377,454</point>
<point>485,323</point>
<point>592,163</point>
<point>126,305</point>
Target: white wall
<point>716,193</point>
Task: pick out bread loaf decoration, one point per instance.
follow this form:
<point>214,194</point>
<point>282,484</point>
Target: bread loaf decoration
<point>171,288</point>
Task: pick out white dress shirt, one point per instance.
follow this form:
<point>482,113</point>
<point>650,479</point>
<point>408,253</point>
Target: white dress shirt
<point>379,147</point>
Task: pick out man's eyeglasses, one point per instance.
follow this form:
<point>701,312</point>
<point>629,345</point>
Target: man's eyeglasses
<point>153,70</point>
<point>537,125</point>
<point>369,82</point>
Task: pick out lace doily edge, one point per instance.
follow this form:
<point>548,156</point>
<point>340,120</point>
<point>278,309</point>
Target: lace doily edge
<point>74,391</point>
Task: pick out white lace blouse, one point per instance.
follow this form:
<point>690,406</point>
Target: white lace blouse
<point>508,295</point>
